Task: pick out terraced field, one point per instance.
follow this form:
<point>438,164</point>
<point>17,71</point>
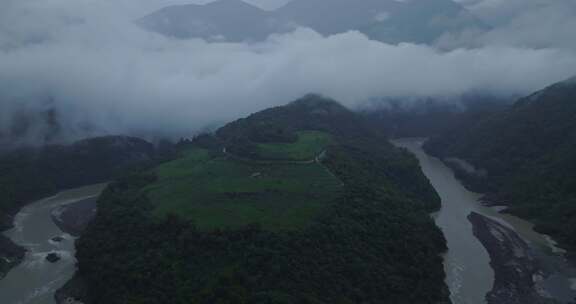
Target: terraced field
<point>216,191</point>
<point>308,146</point>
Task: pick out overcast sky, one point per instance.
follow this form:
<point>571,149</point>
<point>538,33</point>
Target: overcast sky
<point>98,68</point>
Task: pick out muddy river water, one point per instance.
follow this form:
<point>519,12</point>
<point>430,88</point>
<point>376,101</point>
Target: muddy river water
<point>35,280</point>
<point>467,263</point>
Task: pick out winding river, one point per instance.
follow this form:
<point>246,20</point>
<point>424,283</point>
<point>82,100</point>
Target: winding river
<point>35,280</point>
<point>467,263</point>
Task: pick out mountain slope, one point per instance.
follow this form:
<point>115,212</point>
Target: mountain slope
<point>227,223</point>
<point>426,117</point>
<point>422,22</point>
<point>529,152</point>
<point>337,15</point>
<point>27,174</point>
<point>230,20</point>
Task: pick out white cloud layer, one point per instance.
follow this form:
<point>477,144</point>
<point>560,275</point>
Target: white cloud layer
<point>90,62</point>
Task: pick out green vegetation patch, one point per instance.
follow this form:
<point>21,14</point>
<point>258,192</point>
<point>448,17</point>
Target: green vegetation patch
<point>309,145</point>
<point>218,192</point>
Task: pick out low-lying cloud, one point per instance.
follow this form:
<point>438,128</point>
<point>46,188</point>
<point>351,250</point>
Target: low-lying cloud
<point>520,23</point>
<point>102,74</point>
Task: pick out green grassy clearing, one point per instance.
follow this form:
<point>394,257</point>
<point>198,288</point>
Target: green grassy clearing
<point>308,146</point>
<point>216,192</point>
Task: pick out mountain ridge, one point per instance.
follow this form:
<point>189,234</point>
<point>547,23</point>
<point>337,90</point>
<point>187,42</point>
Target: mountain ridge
<point>387,21</point>
<point>529,153</point>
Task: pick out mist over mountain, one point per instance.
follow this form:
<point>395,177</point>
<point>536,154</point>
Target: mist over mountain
<point>72,69</point>
<point>288,151</point>
<point>230,20</point>
<point>427,116</point>
<point>424,22</point>
<point>388,21</point>
<point>519,23</point>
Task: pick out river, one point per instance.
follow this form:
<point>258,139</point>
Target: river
<point>35,280</point>
<point>467,263</point>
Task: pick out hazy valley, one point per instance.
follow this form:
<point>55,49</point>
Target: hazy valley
<point>288,152</point>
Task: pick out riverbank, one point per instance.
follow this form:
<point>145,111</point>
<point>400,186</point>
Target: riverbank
<point>73,292</point>
<point>71,218</point>
<point>468,276</point>
<point>74,218</point>
<point>555,260</point>
<point>35,279</point>
<point>516,266</point>
<point>10,255</point>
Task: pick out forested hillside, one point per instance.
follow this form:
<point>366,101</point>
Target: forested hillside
<point>29,173</point>
<point>295,204</point>
<point>427,117</point>
<point>529,152</point>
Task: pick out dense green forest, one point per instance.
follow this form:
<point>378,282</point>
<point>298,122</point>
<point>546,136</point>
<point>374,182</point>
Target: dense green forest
<point>30,173</point>
<point>529,152</point>
<point>368,239</point>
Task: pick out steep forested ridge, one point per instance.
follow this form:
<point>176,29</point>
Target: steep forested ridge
<point>27,174</point>
<point>374,242</point>
<point>427,117</point>
<point>529,152</point>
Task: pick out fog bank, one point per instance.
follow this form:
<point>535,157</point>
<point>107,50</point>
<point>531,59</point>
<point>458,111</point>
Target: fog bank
<point>95,72</point>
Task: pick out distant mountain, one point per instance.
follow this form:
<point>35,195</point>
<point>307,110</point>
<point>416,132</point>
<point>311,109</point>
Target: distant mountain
<point>385,20</point>
<point>230,20</point>
<point>336,16</point>
<point>426,117</point>
<point>529,152</point>
<point>422,22</point>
